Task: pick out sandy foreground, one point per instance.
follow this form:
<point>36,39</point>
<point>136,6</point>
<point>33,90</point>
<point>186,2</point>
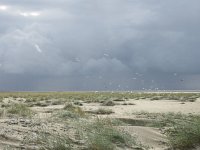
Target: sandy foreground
<point>149,135</point>
<point>14,130</point>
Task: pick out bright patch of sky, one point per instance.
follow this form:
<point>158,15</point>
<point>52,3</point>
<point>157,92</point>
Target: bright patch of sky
<point>3,7</point>
<point>38,48</point>
<point>15,10</point>
<point>30,14</point>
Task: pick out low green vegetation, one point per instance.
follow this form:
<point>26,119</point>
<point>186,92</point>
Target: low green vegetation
<point>102,111</point>
<point>19,110</point>
<point>108,103</point>
<point>185,135</point>
<point>163,119</point>
<point>49,141</point>
<point>102,135</point>
<point>98,96</point>
<point>70,111</point>
<point>2,111</point>
<point>183,131</point>
<point>96,134</point>
<point>74,109</point>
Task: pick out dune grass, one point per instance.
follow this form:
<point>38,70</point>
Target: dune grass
<point>98,96</point>
<point>185,135</point>
<point>100,134</point>
<point>19,110</point>
<point>183,131</point>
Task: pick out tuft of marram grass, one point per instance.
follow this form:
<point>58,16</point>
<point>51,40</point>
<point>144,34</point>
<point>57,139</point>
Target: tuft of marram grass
<point>73,114</point>
<point>70,111</point>
<point>103,111</point>
<point>69,106</point>
<point>100,134</point>
<point>49,141</point>
<point>19,110</point>
<point>183,131</point>
<point>2,112</point>
<point>185,134</point>
<point>108,103</point>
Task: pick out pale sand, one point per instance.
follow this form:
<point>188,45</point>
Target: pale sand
<point>147,135</point>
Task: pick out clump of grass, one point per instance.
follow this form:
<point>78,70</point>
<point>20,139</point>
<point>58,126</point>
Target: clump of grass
<point>41,104</point>
<point>74,109</point>
<point>125,103</point>
<point>101,135</point>
<point>103,111</point>
<point>20,110</point>
<point>192,99</point>
<point>183,131</point>
<point>185,134</point>
<point>108,103</point>
<point>73,114</point>
<point>49,141</point>
<point>163,119</point>
<point>5,105</point>
<point>57,102</point>
<point>67,114</point>
<point>71,111</point>
<point>69,106</point>
<point>78,103</point>
<point>117,99</point>
<point>2,112</point>
<point>55,143</point>
<point>155,98</point>
<point>1,99</point>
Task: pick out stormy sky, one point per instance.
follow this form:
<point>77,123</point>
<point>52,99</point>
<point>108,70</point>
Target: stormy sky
<point>53,45</point>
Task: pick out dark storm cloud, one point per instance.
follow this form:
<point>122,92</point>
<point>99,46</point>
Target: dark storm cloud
<point>99,44</point>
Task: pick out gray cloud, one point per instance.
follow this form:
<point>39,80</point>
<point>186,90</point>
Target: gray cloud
<point>99,45</point>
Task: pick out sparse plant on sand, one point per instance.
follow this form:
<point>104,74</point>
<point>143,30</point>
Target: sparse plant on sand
<point>103,111</point>
<point>108,103</point>
<point>19,110</point>
<point>50,141</point>
<point>185,135</point>
<point>102,135</point>
<point>70,111</point>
